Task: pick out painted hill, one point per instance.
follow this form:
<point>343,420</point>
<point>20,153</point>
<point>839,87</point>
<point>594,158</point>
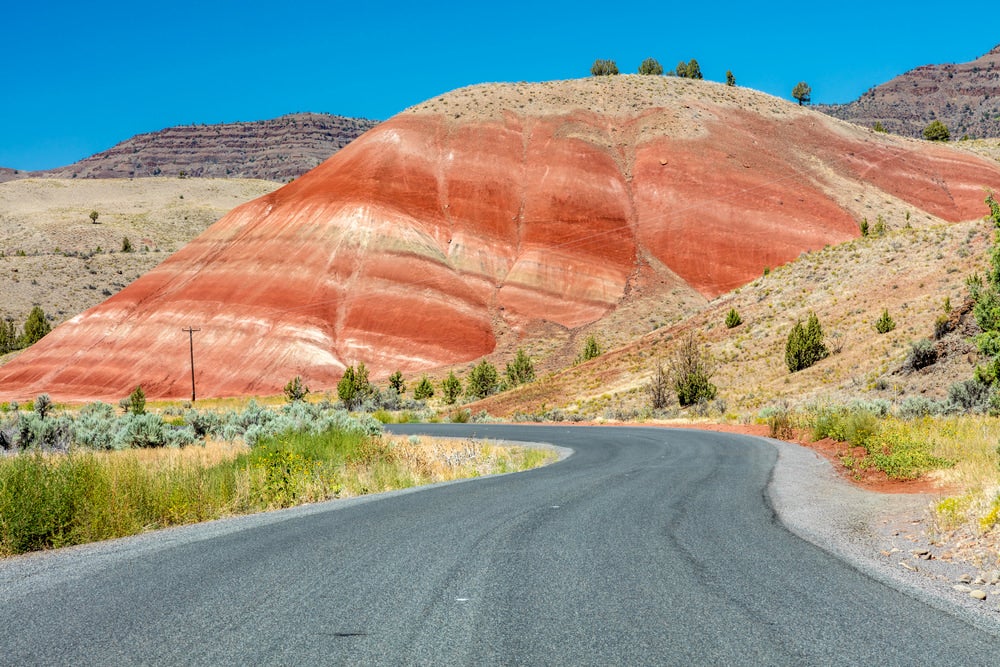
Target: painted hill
<point>965,97</point>
<point>493,214</point>
<point>275,150</point>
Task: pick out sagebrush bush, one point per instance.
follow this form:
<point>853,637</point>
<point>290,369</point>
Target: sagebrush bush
<point>970,396</point>
<point>733,319</point>
<point>916,407</point>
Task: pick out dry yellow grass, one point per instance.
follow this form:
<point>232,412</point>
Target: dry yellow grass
<point>49,242</point>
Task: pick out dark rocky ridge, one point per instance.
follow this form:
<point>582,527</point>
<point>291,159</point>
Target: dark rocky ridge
<point>965,97</point>
<point>276,150</point>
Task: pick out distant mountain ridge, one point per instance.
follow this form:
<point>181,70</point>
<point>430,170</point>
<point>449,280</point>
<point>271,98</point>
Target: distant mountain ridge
<point>964,96</point>
<point>276,150</point>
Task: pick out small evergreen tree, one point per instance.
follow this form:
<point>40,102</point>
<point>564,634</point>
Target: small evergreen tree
<point>681,69</point>
<point>126,245</point>
<point>879,228</point>
<point>483,380</point>
<point>136,401</point>
<point>521,370</point>
<point>296,390</point>
<point>691,372</point>
<point>730,78</point>
<point>8,336</point>
<point>603,68</point>
<point>397,383</point>
<point>93,216</point>
<point>802,92</point>
<point>936,131</point>
<point>878,127</point>
<point>863,226</point>
<point>805,345</point>
<point>451,388</point>
<point>733,319</point>
<point>885,323</point>
<point>43,405</point>
<point>354,386</point>
<point>423,390</point>
<point>693,69</point>
<point>650,66</point>
<point>35,327</point>
<point>591,349</point>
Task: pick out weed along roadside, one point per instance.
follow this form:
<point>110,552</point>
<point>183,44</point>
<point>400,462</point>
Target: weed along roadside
<point>72,479</point>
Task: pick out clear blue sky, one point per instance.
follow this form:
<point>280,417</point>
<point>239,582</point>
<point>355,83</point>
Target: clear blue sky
<point>78,77</point>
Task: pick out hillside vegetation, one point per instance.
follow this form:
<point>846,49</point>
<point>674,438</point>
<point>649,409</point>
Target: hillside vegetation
<point>53,255</point>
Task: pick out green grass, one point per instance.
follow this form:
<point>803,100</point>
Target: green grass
<point>54,500</point>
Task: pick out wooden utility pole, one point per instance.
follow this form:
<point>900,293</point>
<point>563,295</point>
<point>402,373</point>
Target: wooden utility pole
<point>190,333</point>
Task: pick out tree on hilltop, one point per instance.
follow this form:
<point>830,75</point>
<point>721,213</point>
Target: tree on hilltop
<point>650,66</point>
<point>936,131</point>
<point>802,92</point>
<point>730,78</point>
<point>603,68</point>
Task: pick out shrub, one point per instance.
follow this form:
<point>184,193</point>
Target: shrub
<point>690,373</point>
<point>483,380</point>
<point>970,395</point>
<point>730,78</point>
<point>885,323</point>
<point>126,245</point>
<point>43,405</point>
<point>915,407</point>
<point>779,424</point>
<point>853,424</point>
<point>863,226</point>
<point>521,370</point>
<point>650,66</point>
<point>936,131</point>
<point>397,383</point>
<point>879,228</point>
<point>296,390</point>
<point>659,388</point>
<point>354,387</point>
<point>35,327</point>
<point>423,390</point>
<point>451,388</point>
<point>942,325</point>
<point>603,68</point>
<point>805,345</point>
<point>733,319</point>
<point>922,354</point>
<point>591,349</point>
<point>135,403</point>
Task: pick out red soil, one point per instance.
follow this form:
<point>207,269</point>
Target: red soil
<point>408,247</point>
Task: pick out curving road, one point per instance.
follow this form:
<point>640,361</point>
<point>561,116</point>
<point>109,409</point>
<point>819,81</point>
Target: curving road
<point>645,547</point>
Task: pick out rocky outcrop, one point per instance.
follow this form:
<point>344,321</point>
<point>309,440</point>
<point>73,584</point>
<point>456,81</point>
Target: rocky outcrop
<point>279,149</point>
<point>965,97</point>
<point>492,209</point>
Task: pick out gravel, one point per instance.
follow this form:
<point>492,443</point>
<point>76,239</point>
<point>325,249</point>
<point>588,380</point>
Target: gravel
<point>882,535</point>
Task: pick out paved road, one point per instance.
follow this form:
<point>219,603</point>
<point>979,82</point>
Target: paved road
<point>646,547</point>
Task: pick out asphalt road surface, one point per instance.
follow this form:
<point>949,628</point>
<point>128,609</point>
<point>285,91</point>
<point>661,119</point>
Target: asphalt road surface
<point>645,547</point>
